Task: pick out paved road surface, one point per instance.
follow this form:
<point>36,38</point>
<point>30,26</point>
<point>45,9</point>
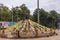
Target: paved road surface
<point>43,38</point>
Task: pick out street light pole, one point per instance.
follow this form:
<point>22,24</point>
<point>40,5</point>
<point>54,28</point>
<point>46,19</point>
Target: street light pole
<point>38,10</point>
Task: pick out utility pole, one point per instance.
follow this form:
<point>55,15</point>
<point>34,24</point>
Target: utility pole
<point>12,14</point>
<point>37,17</point>
<point>1,8</point>
<point>38,10</point>
<point>17,14</point>
<point>1,15</point>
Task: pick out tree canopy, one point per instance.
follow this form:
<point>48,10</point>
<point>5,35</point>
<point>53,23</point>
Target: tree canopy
<point>49,19</point>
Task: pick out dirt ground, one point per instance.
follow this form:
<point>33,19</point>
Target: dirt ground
<point>43,38</point>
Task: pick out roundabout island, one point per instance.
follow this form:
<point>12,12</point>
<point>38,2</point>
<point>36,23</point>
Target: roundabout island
<point>27,29</point>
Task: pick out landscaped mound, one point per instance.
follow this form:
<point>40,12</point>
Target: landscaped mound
<point>28,28</point>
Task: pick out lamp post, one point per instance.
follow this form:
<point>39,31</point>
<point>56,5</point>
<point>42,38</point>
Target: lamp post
<point>38,10</point>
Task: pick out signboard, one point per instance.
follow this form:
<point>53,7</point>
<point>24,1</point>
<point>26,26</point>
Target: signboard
<point>7,24</point>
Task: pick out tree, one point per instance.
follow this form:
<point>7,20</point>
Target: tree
<point>43,15</point>
<point>25,11</point>
<point>4,13</point>
<point>21,12</point>
<point>54,16</point>
<point>14,13</point>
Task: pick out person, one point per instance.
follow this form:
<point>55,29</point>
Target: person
<point>3,30</point>
<point>36,32</point>
<point>17,32</point>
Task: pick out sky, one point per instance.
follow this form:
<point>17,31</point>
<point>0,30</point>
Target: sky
<point>32,4</point>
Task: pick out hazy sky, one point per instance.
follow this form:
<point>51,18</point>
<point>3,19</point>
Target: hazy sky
<point>32,4</point>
